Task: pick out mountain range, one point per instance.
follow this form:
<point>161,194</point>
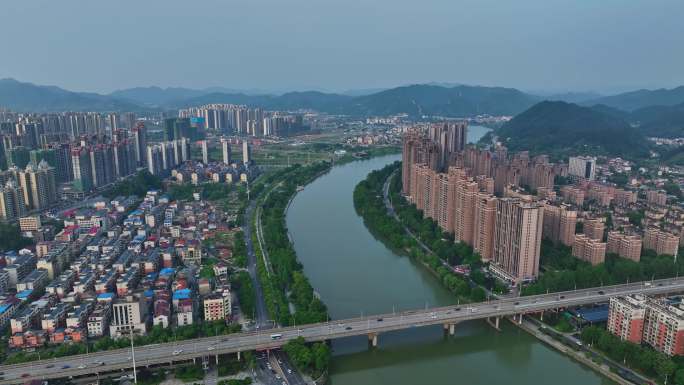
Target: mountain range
<point>415,100</point>
<point>24,97</point>
<point>634,100</point>
<point>657,112</point>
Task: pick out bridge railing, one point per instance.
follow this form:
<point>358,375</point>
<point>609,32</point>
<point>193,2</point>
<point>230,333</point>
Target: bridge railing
<point>648,287</point>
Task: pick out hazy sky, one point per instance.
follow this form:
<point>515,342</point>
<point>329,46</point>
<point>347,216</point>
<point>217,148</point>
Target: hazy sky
<point>93,45</point>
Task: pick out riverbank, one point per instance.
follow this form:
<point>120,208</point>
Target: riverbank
<point>355,273</point>
<point>284,186</point>
<point>370,203</point>
<point>573,354</point>
<point>380,218</point>
<point>278,269</point>
<point>290,298</point>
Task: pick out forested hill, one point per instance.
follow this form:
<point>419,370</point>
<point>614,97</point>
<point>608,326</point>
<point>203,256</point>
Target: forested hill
<point>564,128</point>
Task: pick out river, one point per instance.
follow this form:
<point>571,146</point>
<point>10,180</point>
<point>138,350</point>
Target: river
<point>355,274</point>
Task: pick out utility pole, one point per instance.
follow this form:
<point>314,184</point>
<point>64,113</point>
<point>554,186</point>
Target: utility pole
<point>135,374</point>
<point>675,256</point>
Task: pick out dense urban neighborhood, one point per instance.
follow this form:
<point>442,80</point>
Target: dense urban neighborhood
<point>329,192</point>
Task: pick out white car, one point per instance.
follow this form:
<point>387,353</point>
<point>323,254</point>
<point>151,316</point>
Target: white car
<point>177,352</point>
<point>82,366</point>
<point>210,348</point>
<point>289,371</point>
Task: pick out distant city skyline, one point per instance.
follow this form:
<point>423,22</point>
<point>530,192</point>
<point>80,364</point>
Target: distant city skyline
<point>533,45</point>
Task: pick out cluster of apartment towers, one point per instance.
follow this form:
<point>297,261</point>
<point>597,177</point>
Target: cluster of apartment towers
<point>476,194</point>
<point>657,322</point>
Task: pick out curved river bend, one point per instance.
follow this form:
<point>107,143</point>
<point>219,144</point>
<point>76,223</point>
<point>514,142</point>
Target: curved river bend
<point>356,274</point>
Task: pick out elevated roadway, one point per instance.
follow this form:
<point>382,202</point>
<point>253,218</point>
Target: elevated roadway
<point>371,326</point>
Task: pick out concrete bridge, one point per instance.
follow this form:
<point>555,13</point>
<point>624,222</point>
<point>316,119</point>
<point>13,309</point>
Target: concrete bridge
<point>371,326</point>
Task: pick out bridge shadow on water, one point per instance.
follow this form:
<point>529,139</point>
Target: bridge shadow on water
<point>511,347</point>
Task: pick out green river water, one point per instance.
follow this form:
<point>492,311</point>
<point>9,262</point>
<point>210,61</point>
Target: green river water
<point>355,274</point>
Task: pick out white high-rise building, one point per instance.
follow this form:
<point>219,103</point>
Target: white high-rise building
<point>268,127</point>
<point>582,167</point>
<point>246,152</point>
<point>205,152</point>
<point>225,149</point>
<point>126,317</point>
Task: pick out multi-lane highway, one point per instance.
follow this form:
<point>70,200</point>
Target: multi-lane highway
<point>274,338</point>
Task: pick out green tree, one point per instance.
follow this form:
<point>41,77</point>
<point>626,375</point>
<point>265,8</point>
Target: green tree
<point>321,357</point>
<point>635,217</point>
<point>679,377</point>
<point>11,238</point>
<point>138,185</point>
<point>299,353</point>
<point>673,189</point>
<point>478,294</point>
<point>664,366</point>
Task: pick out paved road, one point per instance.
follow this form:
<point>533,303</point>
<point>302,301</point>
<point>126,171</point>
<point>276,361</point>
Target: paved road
<point>261,312</point>
<point>264,376</point>
<point>291,377</point>
<point>262,244</point>
<point>274,338</point>
<point>289,372</point>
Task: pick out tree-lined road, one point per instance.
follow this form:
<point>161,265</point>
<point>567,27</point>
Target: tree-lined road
<point>372,325</point>
<point>260,305</point>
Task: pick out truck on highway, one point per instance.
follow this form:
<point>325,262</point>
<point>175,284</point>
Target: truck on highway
<point>276,336</point>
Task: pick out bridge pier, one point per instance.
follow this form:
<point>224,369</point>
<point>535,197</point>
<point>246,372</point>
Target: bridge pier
<point>216,357</point>
<point>541,316</point>
<point>450,328</point>
<point>373,340</point>
<point>238,354</point>
<point>495,323</point>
